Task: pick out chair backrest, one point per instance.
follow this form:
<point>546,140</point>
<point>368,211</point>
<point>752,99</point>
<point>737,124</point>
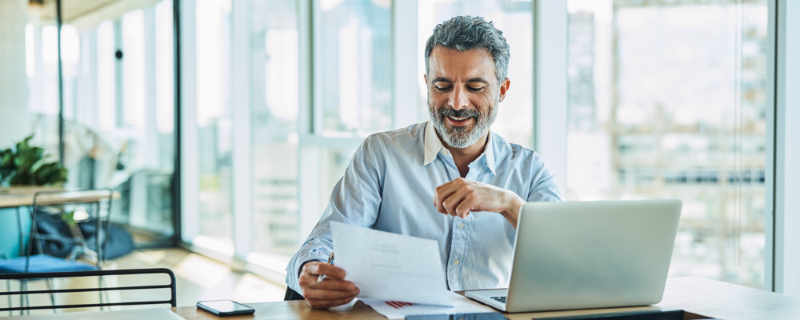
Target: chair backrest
<point>291,295</point>
<point>30,276</point>
<point>63,197</point>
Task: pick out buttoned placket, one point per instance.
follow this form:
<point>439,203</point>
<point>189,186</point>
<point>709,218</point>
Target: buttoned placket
<point>459,235</point>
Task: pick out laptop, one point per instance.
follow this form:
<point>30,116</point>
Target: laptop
<point>581,255</point>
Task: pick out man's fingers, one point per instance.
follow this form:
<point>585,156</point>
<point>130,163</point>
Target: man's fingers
<point>333,284</point>
<point>454,200</point>
<point>466,205</point>
<point>321,304</point>
<point>441,196</point>
<point>329,295</point>
<point>445,191</point>
<point>319,268</point>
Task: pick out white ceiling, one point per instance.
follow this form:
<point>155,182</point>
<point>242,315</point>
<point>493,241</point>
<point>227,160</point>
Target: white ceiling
<point>87,14</point>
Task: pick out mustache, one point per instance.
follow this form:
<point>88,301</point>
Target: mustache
<point>463,113</point>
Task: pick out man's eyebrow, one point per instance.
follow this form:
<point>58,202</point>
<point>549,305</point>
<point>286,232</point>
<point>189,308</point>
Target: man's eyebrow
<point>481,80</point>
<point>442,79</point>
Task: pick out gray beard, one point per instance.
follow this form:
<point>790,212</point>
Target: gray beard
<point>461,138</point>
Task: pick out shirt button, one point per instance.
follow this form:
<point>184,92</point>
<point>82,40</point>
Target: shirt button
<point>461,226</point>
<point>456,262</point>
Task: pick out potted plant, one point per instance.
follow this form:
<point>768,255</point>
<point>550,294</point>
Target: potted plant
<point>26,165</point>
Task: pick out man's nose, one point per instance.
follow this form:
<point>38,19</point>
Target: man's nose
<point>458,98</point>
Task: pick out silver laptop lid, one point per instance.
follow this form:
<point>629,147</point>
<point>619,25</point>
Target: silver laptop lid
<point>575,255</point>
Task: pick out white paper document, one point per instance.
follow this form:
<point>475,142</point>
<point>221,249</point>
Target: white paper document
<point>390,267</point>
<point>399,310</point>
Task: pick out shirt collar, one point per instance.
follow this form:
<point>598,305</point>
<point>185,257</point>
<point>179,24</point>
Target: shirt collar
<point>434,146</point>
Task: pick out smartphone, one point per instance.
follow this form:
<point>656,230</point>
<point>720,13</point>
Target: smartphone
<point>225,308</point>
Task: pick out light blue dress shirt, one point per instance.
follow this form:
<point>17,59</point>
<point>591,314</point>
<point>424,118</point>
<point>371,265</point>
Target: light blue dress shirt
<point>389,186</point>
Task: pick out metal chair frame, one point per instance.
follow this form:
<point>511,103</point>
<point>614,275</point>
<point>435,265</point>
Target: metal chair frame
<point>35,237</point>
<point>99,273</point>
<point>98,222</point>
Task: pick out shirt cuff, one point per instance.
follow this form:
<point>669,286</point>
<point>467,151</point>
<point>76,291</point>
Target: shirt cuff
<point>302,257</point>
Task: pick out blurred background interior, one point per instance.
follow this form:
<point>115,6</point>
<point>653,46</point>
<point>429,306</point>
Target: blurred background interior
<point>224,124</point>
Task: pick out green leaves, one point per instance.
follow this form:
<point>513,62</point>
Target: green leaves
<point>69,219</point>
<point>26,166</point>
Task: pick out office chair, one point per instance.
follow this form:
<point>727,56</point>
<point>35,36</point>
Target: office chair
<point>292,295</point>
<point>96,273</point>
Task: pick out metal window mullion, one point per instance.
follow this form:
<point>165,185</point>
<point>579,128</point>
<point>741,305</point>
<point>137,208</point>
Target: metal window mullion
<point>309,117</point>
<point>404,62</point>
<point>550,86</point>
<point>315,35</point>
<point>189,166</point>
<point>242,186</point>
<point>783,81</point>
<point>769,170</point>
<point>151,106</point>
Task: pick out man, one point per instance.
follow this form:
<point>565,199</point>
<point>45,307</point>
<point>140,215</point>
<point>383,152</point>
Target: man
<point>449,179</point>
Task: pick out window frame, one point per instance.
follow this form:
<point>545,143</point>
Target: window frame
<point>782,259</point>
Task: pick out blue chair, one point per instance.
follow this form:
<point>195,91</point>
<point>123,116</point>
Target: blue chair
<point>44,264</point>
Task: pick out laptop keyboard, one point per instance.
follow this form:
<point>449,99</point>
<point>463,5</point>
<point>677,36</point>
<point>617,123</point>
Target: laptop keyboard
<point>501,299</point>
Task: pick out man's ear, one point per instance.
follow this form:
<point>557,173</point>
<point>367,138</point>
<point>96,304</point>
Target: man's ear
<point>503,88</point>
<point>425,76</point>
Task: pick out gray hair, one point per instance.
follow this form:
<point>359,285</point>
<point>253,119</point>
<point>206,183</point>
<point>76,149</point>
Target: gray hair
<point>464,33</point>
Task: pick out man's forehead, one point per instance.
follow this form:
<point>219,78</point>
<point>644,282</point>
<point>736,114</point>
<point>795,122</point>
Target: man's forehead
<point>476,63</point>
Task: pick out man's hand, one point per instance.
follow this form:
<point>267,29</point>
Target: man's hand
<point>331,291</point>
<point>460,196</point>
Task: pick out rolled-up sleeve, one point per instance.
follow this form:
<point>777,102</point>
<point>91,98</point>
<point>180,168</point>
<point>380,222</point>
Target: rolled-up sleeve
<point>356,199</point>
<point>543,183</point>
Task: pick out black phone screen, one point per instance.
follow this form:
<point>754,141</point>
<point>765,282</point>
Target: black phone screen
<point>225,307</point>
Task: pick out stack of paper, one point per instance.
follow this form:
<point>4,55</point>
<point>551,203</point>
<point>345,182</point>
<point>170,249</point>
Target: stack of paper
<point>397,275</point>
<point>390,267</point>
<point>395,310</point>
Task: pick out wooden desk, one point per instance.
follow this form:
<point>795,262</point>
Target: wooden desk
<point>23,196</point>
<point>701,297</point>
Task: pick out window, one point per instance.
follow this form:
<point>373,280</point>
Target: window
<point>295,143</point>
<point>213,41</point>
<point>668,101</point>
<point>117,101</point>
<point>275,107</point>
<point>665,101</point>
<point>352,68</point>
<point>305,129</point>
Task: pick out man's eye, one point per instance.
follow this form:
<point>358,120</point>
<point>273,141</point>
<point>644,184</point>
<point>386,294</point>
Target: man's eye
<point>475,89</point>
<point>442,88</point>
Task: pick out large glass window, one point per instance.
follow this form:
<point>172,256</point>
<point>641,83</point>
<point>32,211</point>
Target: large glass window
<point>668,101</point>
<point>514,120</point>
<point>117,101</point>
<point>275,108</point>
<point>353,66</point>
